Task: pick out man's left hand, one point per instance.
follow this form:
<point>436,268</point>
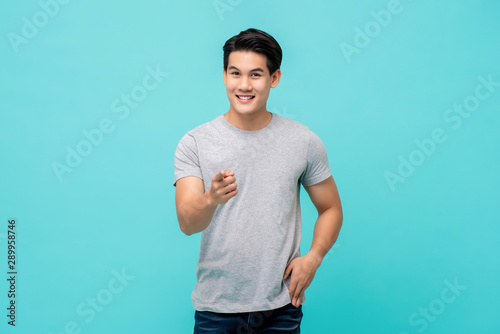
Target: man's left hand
<point>303,270</point>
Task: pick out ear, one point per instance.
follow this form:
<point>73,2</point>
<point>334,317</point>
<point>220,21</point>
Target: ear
<point>275,78</point>
<point>224,75</point>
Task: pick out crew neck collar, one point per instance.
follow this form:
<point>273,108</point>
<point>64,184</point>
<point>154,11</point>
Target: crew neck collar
<point>231,127</point>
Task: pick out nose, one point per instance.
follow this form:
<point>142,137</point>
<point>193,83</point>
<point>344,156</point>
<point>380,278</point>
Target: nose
<point>245,84</point>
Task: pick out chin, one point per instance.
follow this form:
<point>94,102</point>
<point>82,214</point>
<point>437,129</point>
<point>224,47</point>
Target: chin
<point>246,112</point>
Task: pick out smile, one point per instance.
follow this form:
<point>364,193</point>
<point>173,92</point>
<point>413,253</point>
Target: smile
<point>245,97</point>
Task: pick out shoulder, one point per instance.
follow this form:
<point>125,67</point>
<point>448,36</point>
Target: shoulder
<point>295,128</point>
<point>204,129</point>
<point>304,135</point>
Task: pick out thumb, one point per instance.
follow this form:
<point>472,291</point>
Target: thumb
<point>287,270</point>
<point>220,175</point>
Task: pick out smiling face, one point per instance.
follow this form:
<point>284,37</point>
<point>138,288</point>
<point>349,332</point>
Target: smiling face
<point>248,82</point>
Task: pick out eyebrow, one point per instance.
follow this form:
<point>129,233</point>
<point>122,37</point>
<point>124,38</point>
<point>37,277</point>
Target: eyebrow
<point>258,69</point>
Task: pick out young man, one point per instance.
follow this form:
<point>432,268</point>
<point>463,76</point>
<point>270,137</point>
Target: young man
<point>250,274</point>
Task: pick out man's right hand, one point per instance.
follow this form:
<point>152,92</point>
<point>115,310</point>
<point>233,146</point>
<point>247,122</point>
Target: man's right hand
<point>223,187</point>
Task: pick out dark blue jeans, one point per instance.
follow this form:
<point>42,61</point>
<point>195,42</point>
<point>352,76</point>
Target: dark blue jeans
<point>285,319</point>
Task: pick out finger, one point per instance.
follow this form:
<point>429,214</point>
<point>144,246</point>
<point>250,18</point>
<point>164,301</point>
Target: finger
<point>228,184</point>
<point>289,268</point>
<point>297,294</point>
<point>231,188</point>
<point>292,287</point>
<point>232,193</point>
<point>229,179</point>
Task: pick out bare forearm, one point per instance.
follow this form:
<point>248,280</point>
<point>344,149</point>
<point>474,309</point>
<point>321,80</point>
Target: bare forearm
<point>326,231</point>
<point>195,216</point>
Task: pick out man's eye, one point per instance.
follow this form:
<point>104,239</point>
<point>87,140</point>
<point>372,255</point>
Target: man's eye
<point>234,73</point>
<point>256,75</point>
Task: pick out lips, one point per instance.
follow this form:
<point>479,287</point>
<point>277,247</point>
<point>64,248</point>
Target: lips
<point>245,97</point>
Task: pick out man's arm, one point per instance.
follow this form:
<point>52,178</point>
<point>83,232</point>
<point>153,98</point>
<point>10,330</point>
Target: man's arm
<point>325,198</point>
<point>195,208</point>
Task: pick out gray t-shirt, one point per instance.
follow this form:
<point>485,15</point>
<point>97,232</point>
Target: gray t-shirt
<point>254,236</point>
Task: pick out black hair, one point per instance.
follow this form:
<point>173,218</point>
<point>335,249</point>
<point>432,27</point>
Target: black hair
<point>256,41</point>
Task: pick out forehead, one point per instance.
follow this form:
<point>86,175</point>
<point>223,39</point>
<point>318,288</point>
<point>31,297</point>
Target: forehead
<point>247,60</point>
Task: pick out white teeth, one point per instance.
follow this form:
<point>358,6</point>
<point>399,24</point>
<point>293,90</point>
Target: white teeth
<point>245,97</point>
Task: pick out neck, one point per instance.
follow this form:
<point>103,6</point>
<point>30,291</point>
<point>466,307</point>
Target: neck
<point>250,122</point>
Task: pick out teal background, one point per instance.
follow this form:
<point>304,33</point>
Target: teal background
<point>115,210</point>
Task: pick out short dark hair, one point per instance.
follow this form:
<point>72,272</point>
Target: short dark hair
<point>256,41</point>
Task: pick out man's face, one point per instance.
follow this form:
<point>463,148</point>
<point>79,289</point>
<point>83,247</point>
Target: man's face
<point>248,82</point>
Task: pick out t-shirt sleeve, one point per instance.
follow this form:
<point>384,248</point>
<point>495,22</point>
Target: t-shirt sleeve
<point>318,168</point>
<point>186,159</point>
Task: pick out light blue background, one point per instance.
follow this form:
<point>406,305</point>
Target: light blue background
<point>116,210</point>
